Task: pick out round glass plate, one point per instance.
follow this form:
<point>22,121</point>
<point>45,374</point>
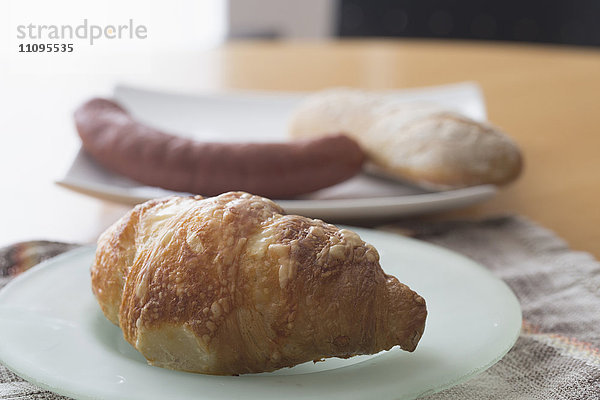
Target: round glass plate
<point>53,334</point>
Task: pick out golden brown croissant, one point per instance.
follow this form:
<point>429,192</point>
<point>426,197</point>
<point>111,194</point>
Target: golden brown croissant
<point>231,285</point>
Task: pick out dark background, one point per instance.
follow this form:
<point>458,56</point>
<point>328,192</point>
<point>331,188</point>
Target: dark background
<point>560,22</point>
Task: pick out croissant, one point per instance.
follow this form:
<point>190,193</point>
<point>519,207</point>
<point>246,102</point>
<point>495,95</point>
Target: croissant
<point>230,285</point>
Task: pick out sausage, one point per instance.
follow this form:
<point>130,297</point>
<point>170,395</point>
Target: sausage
<point>277,170</point>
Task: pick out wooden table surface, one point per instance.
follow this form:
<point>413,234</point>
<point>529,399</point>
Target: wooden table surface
<point>547,98</point>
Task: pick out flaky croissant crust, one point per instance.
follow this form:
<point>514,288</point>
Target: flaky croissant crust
<point>232,285</point>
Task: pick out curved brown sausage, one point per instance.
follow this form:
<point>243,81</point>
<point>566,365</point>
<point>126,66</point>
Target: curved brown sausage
<point>278,170</point>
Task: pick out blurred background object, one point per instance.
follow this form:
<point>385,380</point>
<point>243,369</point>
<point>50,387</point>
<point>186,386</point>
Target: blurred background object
<point>545,96</point>
<point>273,19</point>
<point>554,21</point>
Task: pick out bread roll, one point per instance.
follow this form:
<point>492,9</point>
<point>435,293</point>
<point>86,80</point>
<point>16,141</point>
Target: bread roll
<point>420,143</point>
<point>230,285</point>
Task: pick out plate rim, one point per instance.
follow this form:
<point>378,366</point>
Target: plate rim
<point>480,191</point>
<point>269,94</point>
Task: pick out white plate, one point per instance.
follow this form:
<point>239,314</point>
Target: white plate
<point>53,333</point>
<point>263,117</point>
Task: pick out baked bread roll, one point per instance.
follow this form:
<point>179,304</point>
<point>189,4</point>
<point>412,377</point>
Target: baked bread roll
<point>420,143</point>
<point>230,285</point>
